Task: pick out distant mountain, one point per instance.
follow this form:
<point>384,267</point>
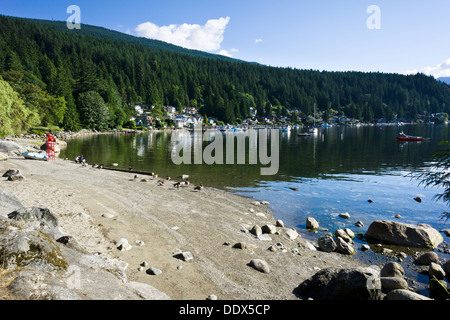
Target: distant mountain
<point>103,33</point>
<point>93,78</point>
<point>444,79</point>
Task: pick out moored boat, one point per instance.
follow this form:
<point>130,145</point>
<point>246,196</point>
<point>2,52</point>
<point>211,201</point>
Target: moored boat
<point>405,137</point>
<point>35,156</point>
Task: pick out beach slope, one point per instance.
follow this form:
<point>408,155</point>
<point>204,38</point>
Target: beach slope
<point>161,222</point>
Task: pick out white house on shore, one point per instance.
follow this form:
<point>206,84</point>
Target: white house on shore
<point>181,121</point>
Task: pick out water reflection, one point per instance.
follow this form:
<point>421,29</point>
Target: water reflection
<point>346,149</point>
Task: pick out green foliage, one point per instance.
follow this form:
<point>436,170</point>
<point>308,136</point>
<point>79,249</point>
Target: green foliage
<point>15,117</point>
<point>439,174</point>
<point>130,125</point>
<point>93,111</point>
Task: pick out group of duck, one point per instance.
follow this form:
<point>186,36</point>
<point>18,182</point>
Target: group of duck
<point>162,182</point>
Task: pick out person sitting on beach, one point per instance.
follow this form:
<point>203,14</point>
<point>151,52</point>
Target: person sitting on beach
<point>77,159</point>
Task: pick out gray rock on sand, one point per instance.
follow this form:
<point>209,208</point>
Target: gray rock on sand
<point>405,295</point>
<point>291,233</point>
<point>10,172</point>
<point>154,271</point>
<point>342,284</point>
<point>264,237</point>
<point>401,234</point>
<point>269,228</point>
<point>187,256</point>
<point>327,243</point>
<point>344,247</point>
<point>245,246</point>
<point>260,265</point>
<point>123,244</point>
<point>16,177</point>
<point>184,256</point>
<point>146,291</point>
<point>256,230</point>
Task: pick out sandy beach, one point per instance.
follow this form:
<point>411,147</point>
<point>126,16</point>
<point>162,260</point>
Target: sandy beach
<point>98,207</point>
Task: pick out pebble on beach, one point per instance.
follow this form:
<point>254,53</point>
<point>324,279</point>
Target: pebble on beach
<point>260,265</point>
<point>154,271</point>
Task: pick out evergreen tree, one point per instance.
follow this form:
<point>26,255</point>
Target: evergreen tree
<point>93,111</point>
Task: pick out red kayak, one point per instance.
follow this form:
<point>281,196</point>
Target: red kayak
<point>404,137</point>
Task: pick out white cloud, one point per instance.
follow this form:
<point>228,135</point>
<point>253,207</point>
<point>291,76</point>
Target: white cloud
<point>225,53</point>
<point>258,41</point>
<point>206,37</point>
<point>441,70</point>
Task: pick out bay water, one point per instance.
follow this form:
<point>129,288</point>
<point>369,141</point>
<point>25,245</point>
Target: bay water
<point>361,170</point>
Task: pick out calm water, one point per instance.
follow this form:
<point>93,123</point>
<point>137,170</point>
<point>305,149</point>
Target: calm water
<point>336,171</point>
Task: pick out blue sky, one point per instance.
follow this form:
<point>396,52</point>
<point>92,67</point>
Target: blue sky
<point>414,36</point>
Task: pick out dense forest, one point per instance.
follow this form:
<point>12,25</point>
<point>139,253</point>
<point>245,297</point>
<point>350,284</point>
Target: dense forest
<point>93,77</point>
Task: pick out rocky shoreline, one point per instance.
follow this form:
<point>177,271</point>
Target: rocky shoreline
<point>76,232</point>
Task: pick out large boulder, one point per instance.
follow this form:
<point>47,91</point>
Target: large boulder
<point>11,148</point>
<point>9,203</point>
<point>405,295</point>
<point>401,234</point>
<point>25,246</point>
<point>342,284</point>
<point>41,217</point>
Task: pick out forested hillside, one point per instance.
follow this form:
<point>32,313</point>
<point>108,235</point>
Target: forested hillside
<point>92,78</point>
